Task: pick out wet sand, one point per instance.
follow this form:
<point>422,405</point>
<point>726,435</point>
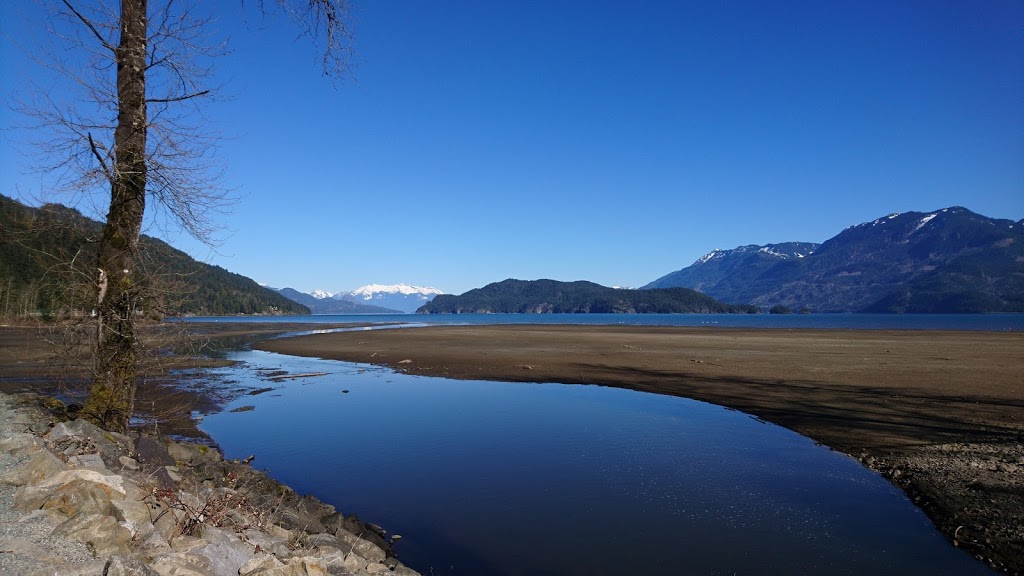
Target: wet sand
<point>941,414</point>
<point>47,359</point>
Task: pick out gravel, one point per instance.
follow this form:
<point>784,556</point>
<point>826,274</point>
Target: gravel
<point>26,546</point>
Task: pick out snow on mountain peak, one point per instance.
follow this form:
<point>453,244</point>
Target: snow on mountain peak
<point>320,294</point>
<point>710,255</point>
<point>370,289</point>
<point>924,221</point>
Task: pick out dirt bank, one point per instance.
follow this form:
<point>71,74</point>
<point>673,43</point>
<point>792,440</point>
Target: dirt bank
<point>941,414</point>
<point>53,360</point>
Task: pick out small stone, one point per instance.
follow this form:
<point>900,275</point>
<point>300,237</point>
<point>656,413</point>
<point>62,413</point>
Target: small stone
<point>172,471</point>
<point>122,566</point>
<point>129,462</point>
<point>93,461</point>
<point>260,565</point>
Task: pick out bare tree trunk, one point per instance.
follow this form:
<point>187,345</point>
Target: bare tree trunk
<point>112,397</point>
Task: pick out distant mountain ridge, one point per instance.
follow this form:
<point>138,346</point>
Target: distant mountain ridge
<point>554,297</point>
<point>329,305</point>
<point>402,297</point>
<point>946,261</point>
<point>369,299</point>
<point>735,267</point>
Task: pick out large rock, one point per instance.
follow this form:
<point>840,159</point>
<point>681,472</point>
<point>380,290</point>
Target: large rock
<point>71,492</point>
<point>181,564</point>
<point>112,482</point>
<point>101,532</point>
<point>151,453</point>
<point>70,499</point>
<point>134,515</point>
<point>264,542</point>
<point>193,454</point>
<point>298,520</point>
<point>224,551</point>
<point>369,532</point>
<point>306,566</point>
<point>169,522</point>
<point>126,566</point>
<point>21,444</point>
<point>364,548</point>
<point>152,545</point>
<point>36,468</point>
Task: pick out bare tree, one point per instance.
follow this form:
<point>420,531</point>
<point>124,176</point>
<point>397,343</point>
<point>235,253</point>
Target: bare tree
<point>128,119</point>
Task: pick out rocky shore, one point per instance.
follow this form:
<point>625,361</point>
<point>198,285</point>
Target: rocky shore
<point>76,500</point>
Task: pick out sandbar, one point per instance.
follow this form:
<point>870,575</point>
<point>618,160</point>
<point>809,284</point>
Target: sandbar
<point>939,413</point>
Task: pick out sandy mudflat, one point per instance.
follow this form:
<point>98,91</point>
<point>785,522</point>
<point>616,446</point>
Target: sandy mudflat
<point>941,414</point>
<point>39,358</point>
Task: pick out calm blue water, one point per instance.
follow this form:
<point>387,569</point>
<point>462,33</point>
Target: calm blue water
<point>535,479</point>
<point>986,322</point>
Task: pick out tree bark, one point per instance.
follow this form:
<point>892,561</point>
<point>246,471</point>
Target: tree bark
<point>112,397</point>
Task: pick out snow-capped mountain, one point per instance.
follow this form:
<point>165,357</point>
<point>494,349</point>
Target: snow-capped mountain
<point>739,265</point>
<point>321,294</point>
<point>318,305</point>
<point>948,260</point>
<point>401,297</point>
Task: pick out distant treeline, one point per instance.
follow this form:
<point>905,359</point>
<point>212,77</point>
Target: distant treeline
<point>553,297</point>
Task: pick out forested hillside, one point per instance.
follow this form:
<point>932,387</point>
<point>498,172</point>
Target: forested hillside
<point>551,296</point>
<point>47,258</point>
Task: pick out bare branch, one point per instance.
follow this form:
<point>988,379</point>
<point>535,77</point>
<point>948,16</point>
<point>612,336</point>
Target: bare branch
<point>179,98</point>
<point>327,23</point>
<point>96,153</point>
<point>90,25</point>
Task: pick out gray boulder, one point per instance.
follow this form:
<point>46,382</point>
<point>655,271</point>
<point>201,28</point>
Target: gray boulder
<point>39,466</point>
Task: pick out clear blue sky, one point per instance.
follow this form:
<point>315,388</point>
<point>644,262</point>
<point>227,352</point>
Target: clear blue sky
<point>605,141</point>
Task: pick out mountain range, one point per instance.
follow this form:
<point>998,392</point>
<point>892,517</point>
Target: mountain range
<point>328,305</point>
<point>369,299</point>
<point>948,261</point>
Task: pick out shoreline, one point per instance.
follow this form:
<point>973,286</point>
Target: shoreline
<point>939,414</point>
<point>77,499</point>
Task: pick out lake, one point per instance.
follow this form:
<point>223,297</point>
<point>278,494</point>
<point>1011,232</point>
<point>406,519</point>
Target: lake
<point>518,479</point>
<point>986,322</point>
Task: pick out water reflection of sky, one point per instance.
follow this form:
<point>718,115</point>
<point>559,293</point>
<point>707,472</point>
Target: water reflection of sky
<point>497,478</point>
<point>987,322</point>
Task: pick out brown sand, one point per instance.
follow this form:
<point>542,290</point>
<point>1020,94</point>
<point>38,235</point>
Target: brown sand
<point>37,358</point>
<point>941,414</point>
